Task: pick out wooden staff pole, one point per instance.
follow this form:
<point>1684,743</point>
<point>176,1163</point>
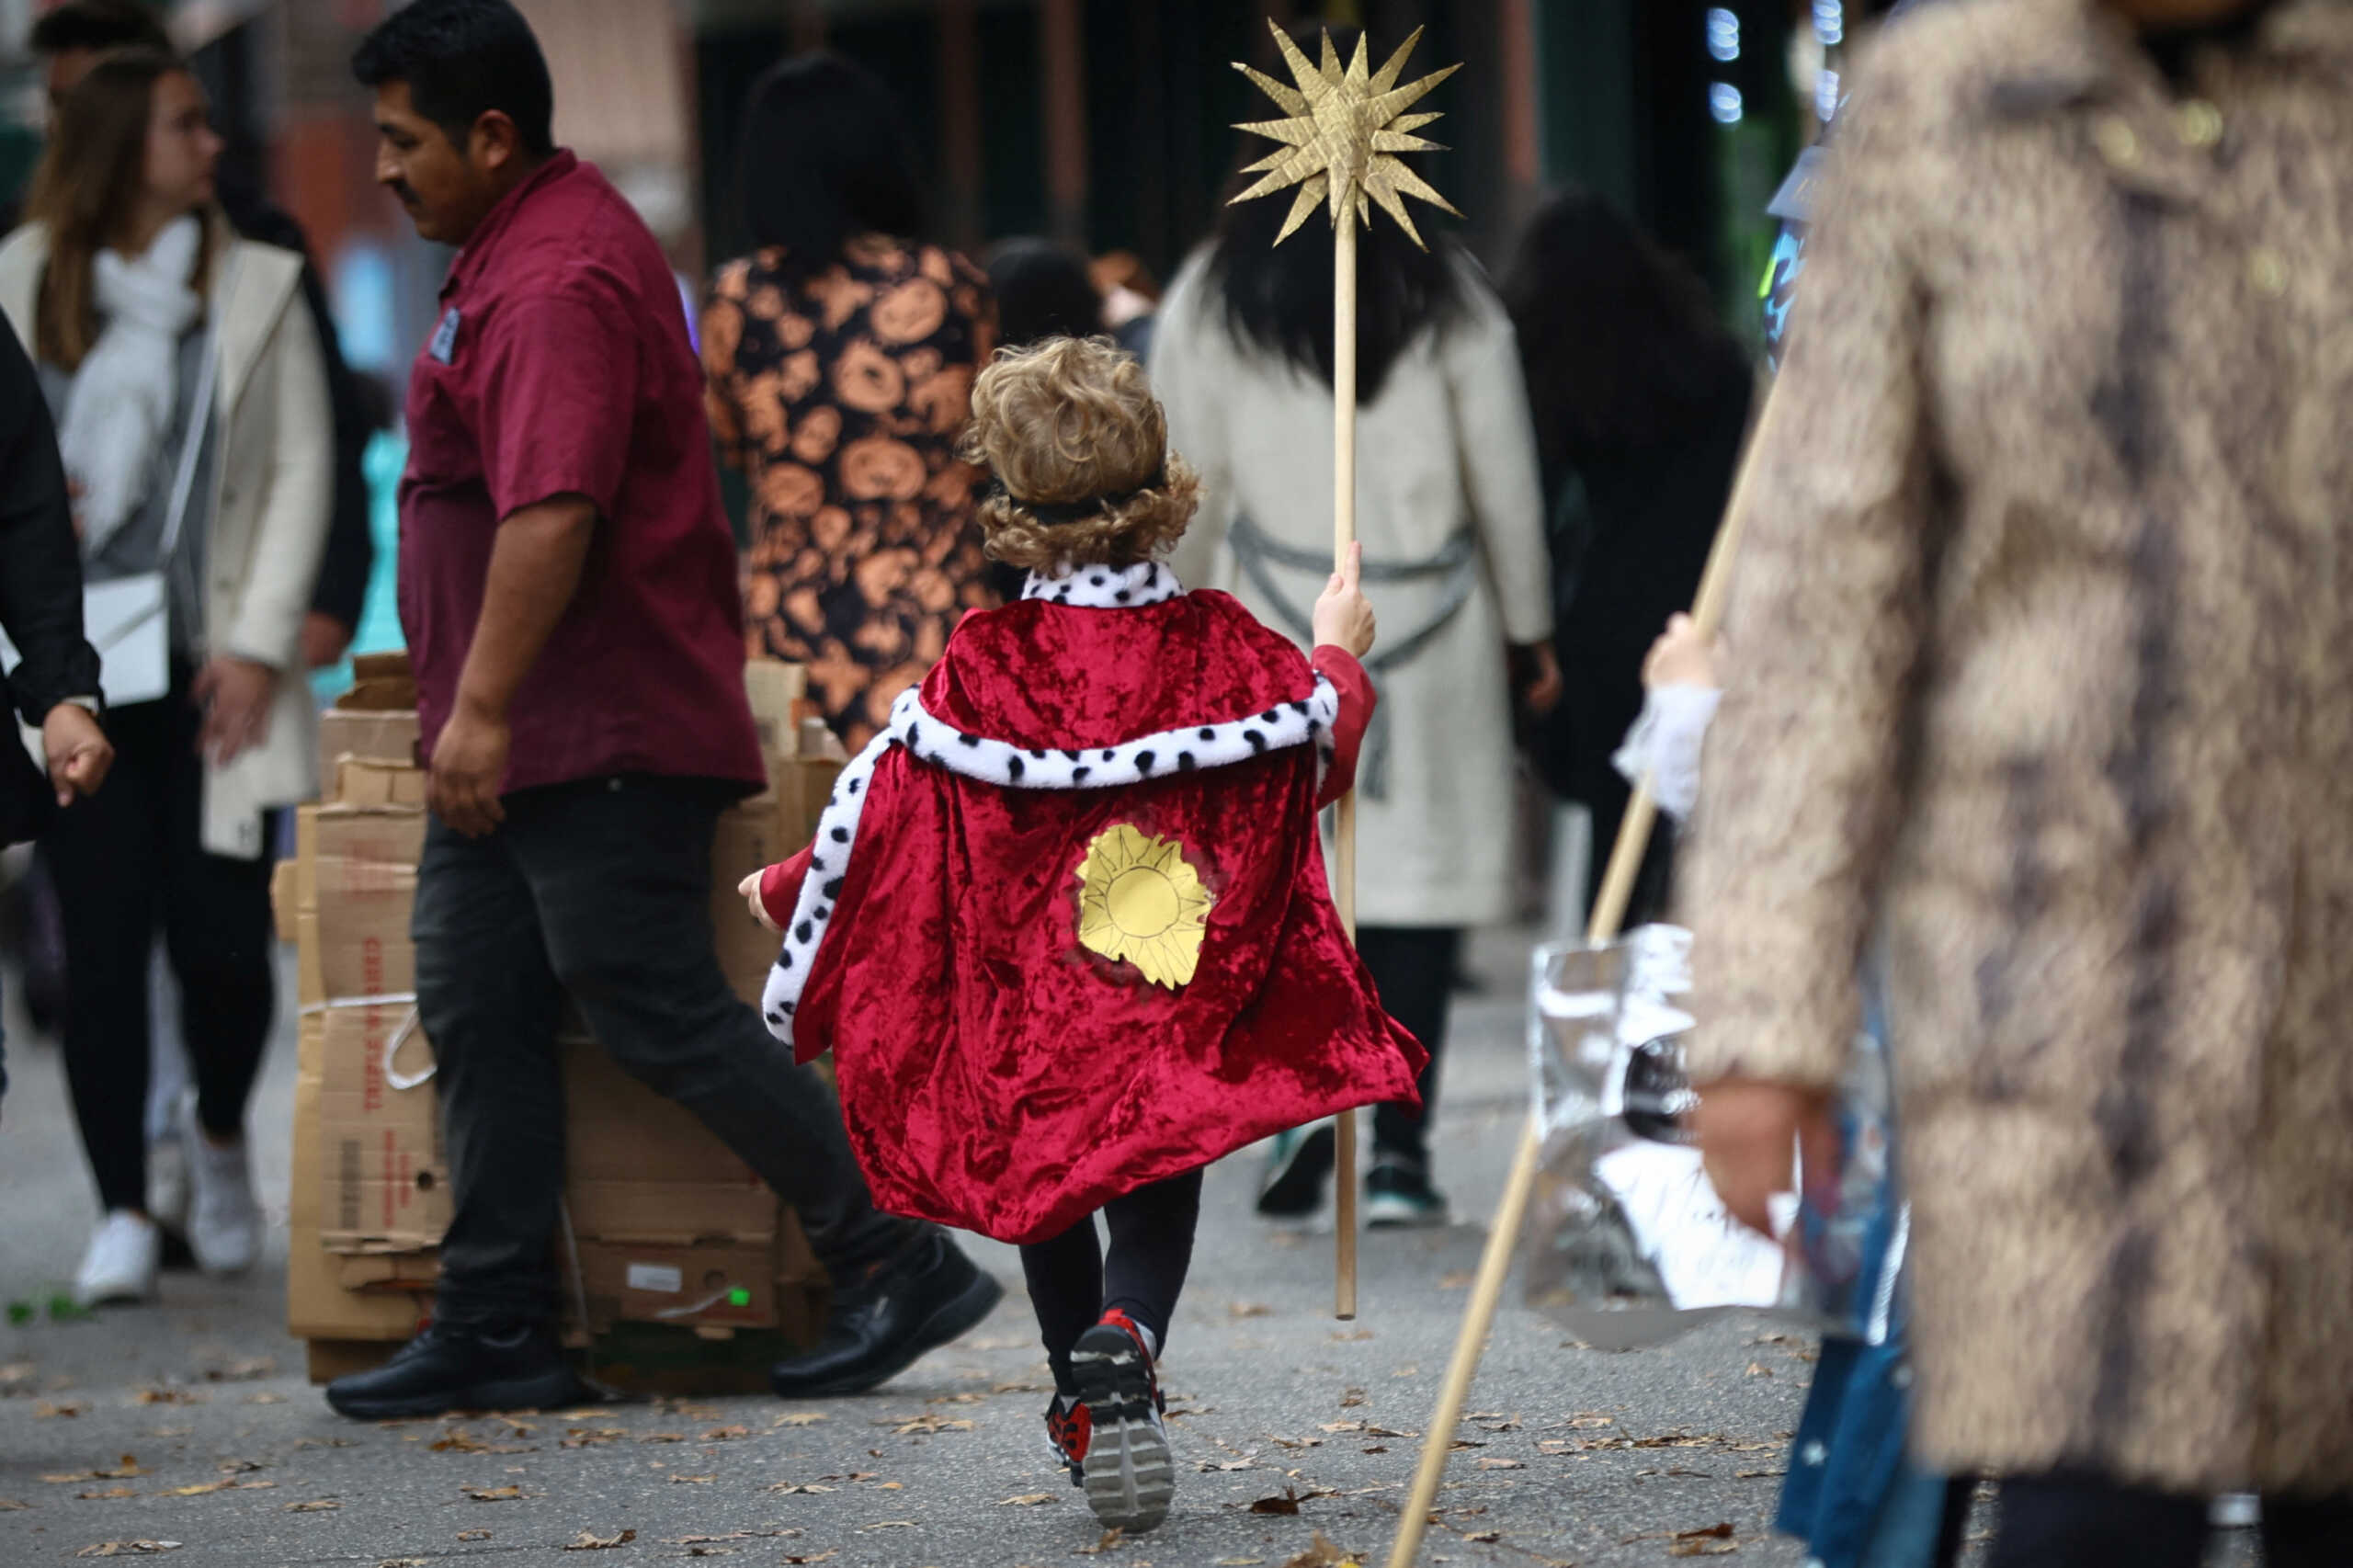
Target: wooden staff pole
<point>1344,835</point>
<point>1609,915</point>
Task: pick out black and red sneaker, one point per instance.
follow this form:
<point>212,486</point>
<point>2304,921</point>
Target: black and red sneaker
<point>1128,1473</point>
<point>1069,1428</point>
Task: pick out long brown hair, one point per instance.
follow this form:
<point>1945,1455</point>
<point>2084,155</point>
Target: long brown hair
<point>85,190</point>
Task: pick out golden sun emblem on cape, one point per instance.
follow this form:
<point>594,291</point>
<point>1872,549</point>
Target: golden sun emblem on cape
<point>1140,902</point>
<point>1345,130</point>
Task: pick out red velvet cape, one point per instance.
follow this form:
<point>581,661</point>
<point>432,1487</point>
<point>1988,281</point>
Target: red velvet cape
<point>998,1075</point>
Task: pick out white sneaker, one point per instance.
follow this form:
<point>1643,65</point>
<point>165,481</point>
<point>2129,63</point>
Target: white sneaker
<point>167,1181</point>
<point>224,1217</point>
<point>121,1261</point>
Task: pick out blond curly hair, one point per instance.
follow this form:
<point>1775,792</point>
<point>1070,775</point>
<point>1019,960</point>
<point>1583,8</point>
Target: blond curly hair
<point>1068,420</point>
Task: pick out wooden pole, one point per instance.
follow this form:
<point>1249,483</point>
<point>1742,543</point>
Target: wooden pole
<point>1344,835</point>
<point>1609,915</point>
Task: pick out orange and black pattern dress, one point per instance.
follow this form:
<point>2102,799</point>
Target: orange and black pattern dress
<point>841,396</point>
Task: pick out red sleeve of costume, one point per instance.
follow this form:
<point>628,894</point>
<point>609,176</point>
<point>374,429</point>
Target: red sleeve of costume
<point>1357,699</point>
<point>780,887</point>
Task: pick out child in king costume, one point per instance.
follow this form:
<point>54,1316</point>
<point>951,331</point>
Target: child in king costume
<point>1066,923</point>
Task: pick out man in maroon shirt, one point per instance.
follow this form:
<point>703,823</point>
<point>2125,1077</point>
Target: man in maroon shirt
<point>568,586</point>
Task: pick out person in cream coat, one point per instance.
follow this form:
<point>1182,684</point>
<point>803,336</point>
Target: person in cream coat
<point>191,403</point>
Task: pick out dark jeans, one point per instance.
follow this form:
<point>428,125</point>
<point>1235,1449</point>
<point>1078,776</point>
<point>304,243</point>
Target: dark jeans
<point>127,862</point>
<point>602,889</point>
<point>2086,1521</point>
<point>1412,968</point>
<point>1072,1283</point>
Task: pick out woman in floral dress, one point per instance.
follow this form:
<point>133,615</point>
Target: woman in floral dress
<point>840,358</point>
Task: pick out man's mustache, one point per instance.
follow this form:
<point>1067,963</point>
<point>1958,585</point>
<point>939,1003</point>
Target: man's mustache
<point>401,188</point>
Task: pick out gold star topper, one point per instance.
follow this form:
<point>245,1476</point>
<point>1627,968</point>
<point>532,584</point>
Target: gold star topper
<point>1345,130</point>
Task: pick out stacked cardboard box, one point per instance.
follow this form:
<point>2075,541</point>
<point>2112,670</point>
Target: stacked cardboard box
<point>666,1228</point>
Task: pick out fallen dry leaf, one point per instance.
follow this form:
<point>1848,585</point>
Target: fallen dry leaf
<point>1502,1464</point>
<point>128,1549</point>
<point>1714,1540</point>
<point>1460,1280</point>
<point>169,1396</point>
<point>1249,1310</point>
<point>320,1506</point>
<point>589,1541</point>
<point>1756,1474</point>
<point>474,1535</point>
<point>10,1505</point>
<point>242,1372</point>
<point>1406,1372</point>
<point>403,1563</point>
<point>926,1424</point>
<point>1285,1504</point>
<point>1590,1423</point>
<point>1320,1554</point>
<point>661,1436</point>
<point>1239,1561</point>
<point>692,1480</point>
<point>202,1487</point>
<point>1026,1500</point>
<point>1758,1369</point>
<point>1485,1537</point>
<point>801,1418</point>
<point>45,1411</point>
<point>726,1434</point>
<point>818,1557</point>
<point>493,1493</point>
<point>1229,1464</point>
<point>1352,1335</point>
<point>1111,1537</point>
<point>109,1494</point>
<point>807,1488</point>
<point>264,1397</point>
<point>1351,1398</point>
<point>889,1525</point>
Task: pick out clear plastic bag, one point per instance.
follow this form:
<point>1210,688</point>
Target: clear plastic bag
<point>1626,1242</point>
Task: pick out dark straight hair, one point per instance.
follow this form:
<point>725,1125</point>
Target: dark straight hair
<point>1620,339</point>
<point>824,157</point>
<point>462,59</point>
<point>1279,297</point>
<point>98,25</point>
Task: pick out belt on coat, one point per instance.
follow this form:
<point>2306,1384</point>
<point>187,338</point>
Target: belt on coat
<point>1456,564</point>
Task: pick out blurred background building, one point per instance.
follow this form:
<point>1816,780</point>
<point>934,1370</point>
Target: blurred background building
<point>1105,122</point>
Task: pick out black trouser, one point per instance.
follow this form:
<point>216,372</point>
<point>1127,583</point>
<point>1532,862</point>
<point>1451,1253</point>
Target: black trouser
<point>602,889</point>
<point>130,861</point>
<point>1412,968</point>
<point>1072,1283</point>
<point>2086,1521</point>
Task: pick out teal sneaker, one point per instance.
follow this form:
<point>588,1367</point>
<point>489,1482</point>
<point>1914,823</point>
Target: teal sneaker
<point>1293,1185</point>
<point>1397,1194</point>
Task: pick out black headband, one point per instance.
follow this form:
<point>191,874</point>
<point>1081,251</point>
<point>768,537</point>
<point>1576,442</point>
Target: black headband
<point>1056,513</point>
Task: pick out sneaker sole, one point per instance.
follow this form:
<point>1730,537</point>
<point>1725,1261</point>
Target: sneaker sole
<point>1383,1214</point>
<point>548,1390</point>
<point>1131,1476</point>
<point>1294,1189</point>
<point>952,1321</point>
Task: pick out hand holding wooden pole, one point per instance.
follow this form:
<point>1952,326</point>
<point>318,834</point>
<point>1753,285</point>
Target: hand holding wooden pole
<point>1340,143</point>
<point>1608,915</point>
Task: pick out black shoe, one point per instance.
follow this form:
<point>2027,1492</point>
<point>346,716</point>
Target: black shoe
<point>929,1294</point>
<point>1293,1187</point>
<point>1397,1193</point>
<point>453,1367</point>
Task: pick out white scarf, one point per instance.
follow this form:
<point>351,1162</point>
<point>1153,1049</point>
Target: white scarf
<point>122,401</point>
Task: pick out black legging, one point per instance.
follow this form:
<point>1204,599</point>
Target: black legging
<point>1412,968</point>
<point>1072,1283</point>
<point>2086,1521</point>
<point>128,862</point>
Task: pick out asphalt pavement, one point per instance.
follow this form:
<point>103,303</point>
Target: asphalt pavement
<point>189,1422</point>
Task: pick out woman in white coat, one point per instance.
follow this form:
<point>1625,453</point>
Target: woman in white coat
<point>1452,523</point>
<point>191,406</point>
